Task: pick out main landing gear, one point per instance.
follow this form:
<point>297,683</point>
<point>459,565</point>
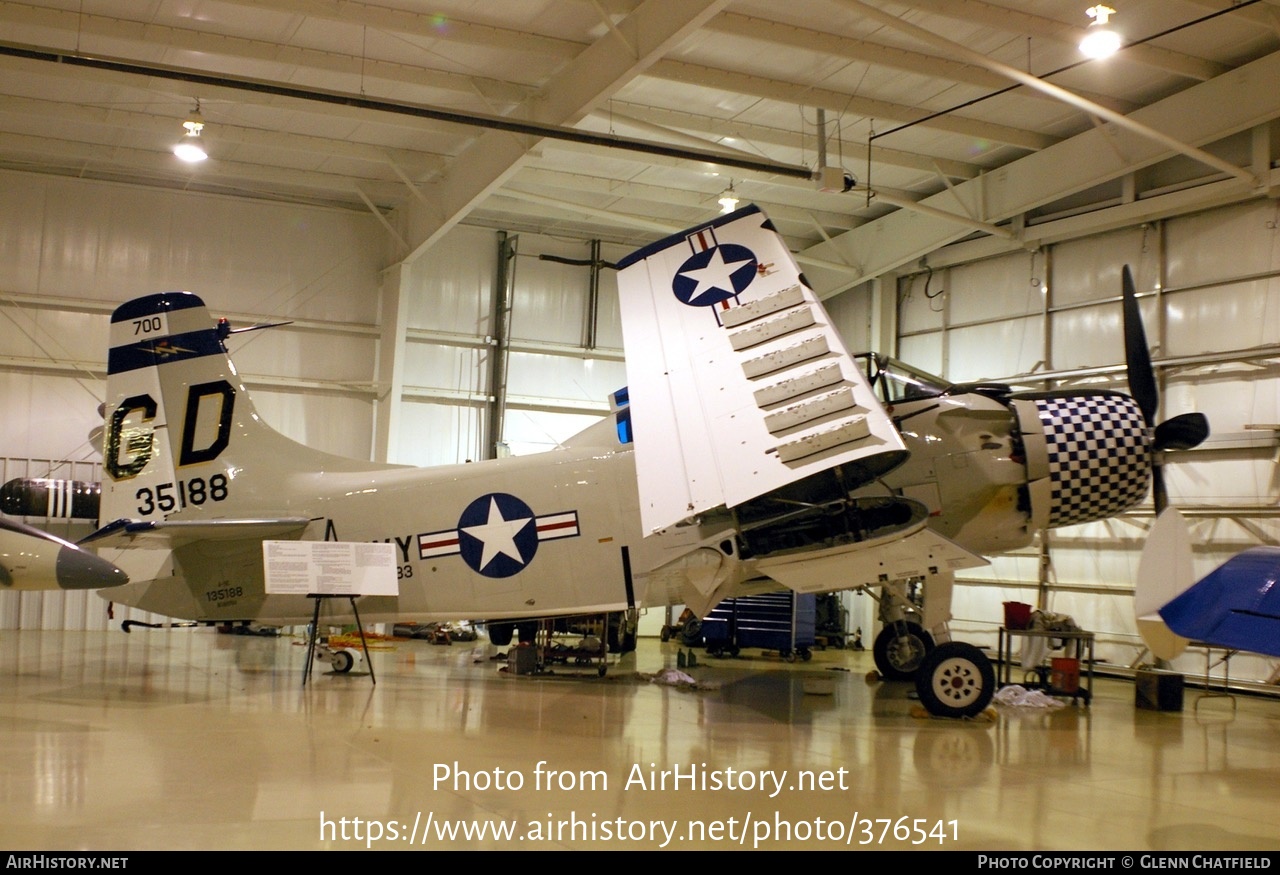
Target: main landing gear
<point>899,650</point>
<point>952,679</point>
<point>956,680</point>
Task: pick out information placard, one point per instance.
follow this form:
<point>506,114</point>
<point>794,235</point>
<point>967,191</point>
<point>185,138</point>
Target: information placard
<point>343,568</point>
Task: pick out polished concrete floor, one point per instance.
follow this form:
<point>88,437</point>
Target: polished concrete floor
<point>187,739</point>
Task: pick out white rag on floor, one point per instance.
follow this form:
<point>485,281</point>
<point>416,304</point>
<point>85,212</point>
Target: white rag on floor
<point>1021,697</point>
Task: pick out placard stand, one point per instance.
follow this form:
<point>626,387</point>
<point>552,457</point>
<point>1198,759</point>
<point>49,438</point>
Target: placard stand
<point>315,631</point>
<point>331,569</point>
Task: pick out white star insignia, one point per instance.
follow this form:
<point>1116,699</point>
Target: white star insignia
<point>498,535</point>
<point>717,275</point>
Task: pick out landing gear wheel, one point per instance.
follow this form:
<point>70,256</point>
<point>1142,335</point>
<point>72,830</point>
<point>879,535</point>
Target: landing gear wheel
<point>899,649</point>
<point>956,680</point>
<point>341,661</point>
<point>806,654</point>
<point>500,633</point>
<point>691,634</point>
<point>620,638</point>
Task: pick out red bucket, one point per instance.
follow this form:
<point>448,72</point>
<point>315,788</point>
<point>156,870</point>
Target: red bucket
<point>1017,615</point>
<point>1064,674</point>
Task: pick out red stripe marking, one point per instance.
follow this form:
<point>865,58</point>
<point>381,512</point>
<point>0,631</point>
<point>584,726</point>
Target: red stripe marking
<point>429,545</point>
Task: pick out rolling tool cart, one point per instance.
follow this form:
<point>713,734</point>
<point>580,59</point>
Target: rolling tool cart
<point>781,621</point>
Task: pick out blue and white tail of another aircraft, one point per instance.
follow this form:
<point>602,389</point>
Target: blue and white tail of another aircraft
<point>1236,606</point>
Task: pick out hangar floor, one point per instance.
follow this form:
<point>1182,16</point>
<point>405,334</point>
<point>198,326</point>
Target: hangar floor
<point>193,740</point>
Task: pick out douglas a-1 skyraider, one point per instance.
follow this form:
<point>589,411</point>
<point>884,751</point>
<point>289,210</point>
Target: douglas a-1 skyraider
<point>765,457</point>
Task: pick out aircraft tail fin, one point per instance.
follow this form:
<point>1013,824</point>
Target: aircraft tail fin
<point>739,384</point>
<point>1164,572</point>
<point>181,436</point>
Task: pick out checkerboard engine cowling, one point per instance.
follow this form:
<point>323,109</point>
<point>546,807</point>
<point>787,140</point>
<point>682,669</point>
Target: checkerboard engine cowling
<point>1099,456</point>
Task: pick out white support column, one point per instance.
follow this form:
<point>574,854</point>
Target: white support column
<point>884,314</point>
<point>392,316</point>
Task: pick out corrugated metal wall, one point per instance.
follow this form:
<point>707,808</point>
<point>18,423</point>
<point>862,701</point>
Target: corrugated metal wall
<point>71,250</point>
<point>1214,280</point>
<point>556,385</point>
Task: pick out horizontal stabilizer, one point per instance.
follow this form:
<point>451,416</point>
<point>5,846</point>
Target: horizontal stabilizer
<point>171,534</point>
<point>739,384</point>
<point>1236,606</point>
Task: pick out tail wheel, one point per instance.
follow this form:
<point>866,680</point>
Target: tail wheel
<point>341,661</point>
<point>956,680</point>
<point>899,650</point>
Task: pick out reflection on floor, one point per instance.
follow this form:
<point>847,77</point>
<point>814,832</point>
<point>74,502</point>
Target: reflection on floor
<point>190,739</point>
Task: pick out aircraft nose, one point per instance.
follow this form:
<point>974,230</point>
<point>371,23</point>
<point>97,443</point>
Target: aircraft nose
<point>79,569</point>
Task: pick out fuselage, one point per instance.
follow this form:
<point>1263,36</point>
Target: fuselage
<point>560,532</point>
<point>517,537</point>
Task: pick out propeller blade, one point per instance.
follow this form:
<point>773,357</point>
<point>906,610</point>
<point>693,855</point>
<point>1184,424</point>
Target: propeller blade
<point>1182,432</point>
<point>1137,358</point>
<point>1159,495</point>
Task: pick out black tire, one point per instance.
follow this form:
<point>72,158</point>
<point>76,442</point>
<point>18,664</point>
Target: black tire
<point>665,635</point>
<point>527,631</point>
<point>806,654</point>
<point>691,634</point>
<point>898,654</point>
<point>956,680</point>
<point>621,639</point>
<point>500,633</point>
<point>342,661</point>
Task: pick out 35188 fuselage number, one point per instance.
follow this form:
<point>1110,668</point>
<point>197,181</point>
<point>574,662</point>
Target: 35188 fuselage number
<point>168,497</point>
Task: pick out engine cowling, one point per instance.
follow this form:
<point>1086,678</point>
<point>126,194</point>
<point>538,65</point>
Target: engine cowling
<point>1088,454</point>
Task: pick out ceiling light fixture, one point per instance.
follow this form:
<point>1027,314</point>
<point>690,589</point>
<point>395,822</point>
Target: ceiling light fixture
<point>728,199</point>
<point>189,148</point>
<point>1100,40</point>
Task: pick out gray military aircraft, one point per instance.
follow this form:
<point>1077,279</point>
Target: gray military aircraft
<point>765,456</point>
